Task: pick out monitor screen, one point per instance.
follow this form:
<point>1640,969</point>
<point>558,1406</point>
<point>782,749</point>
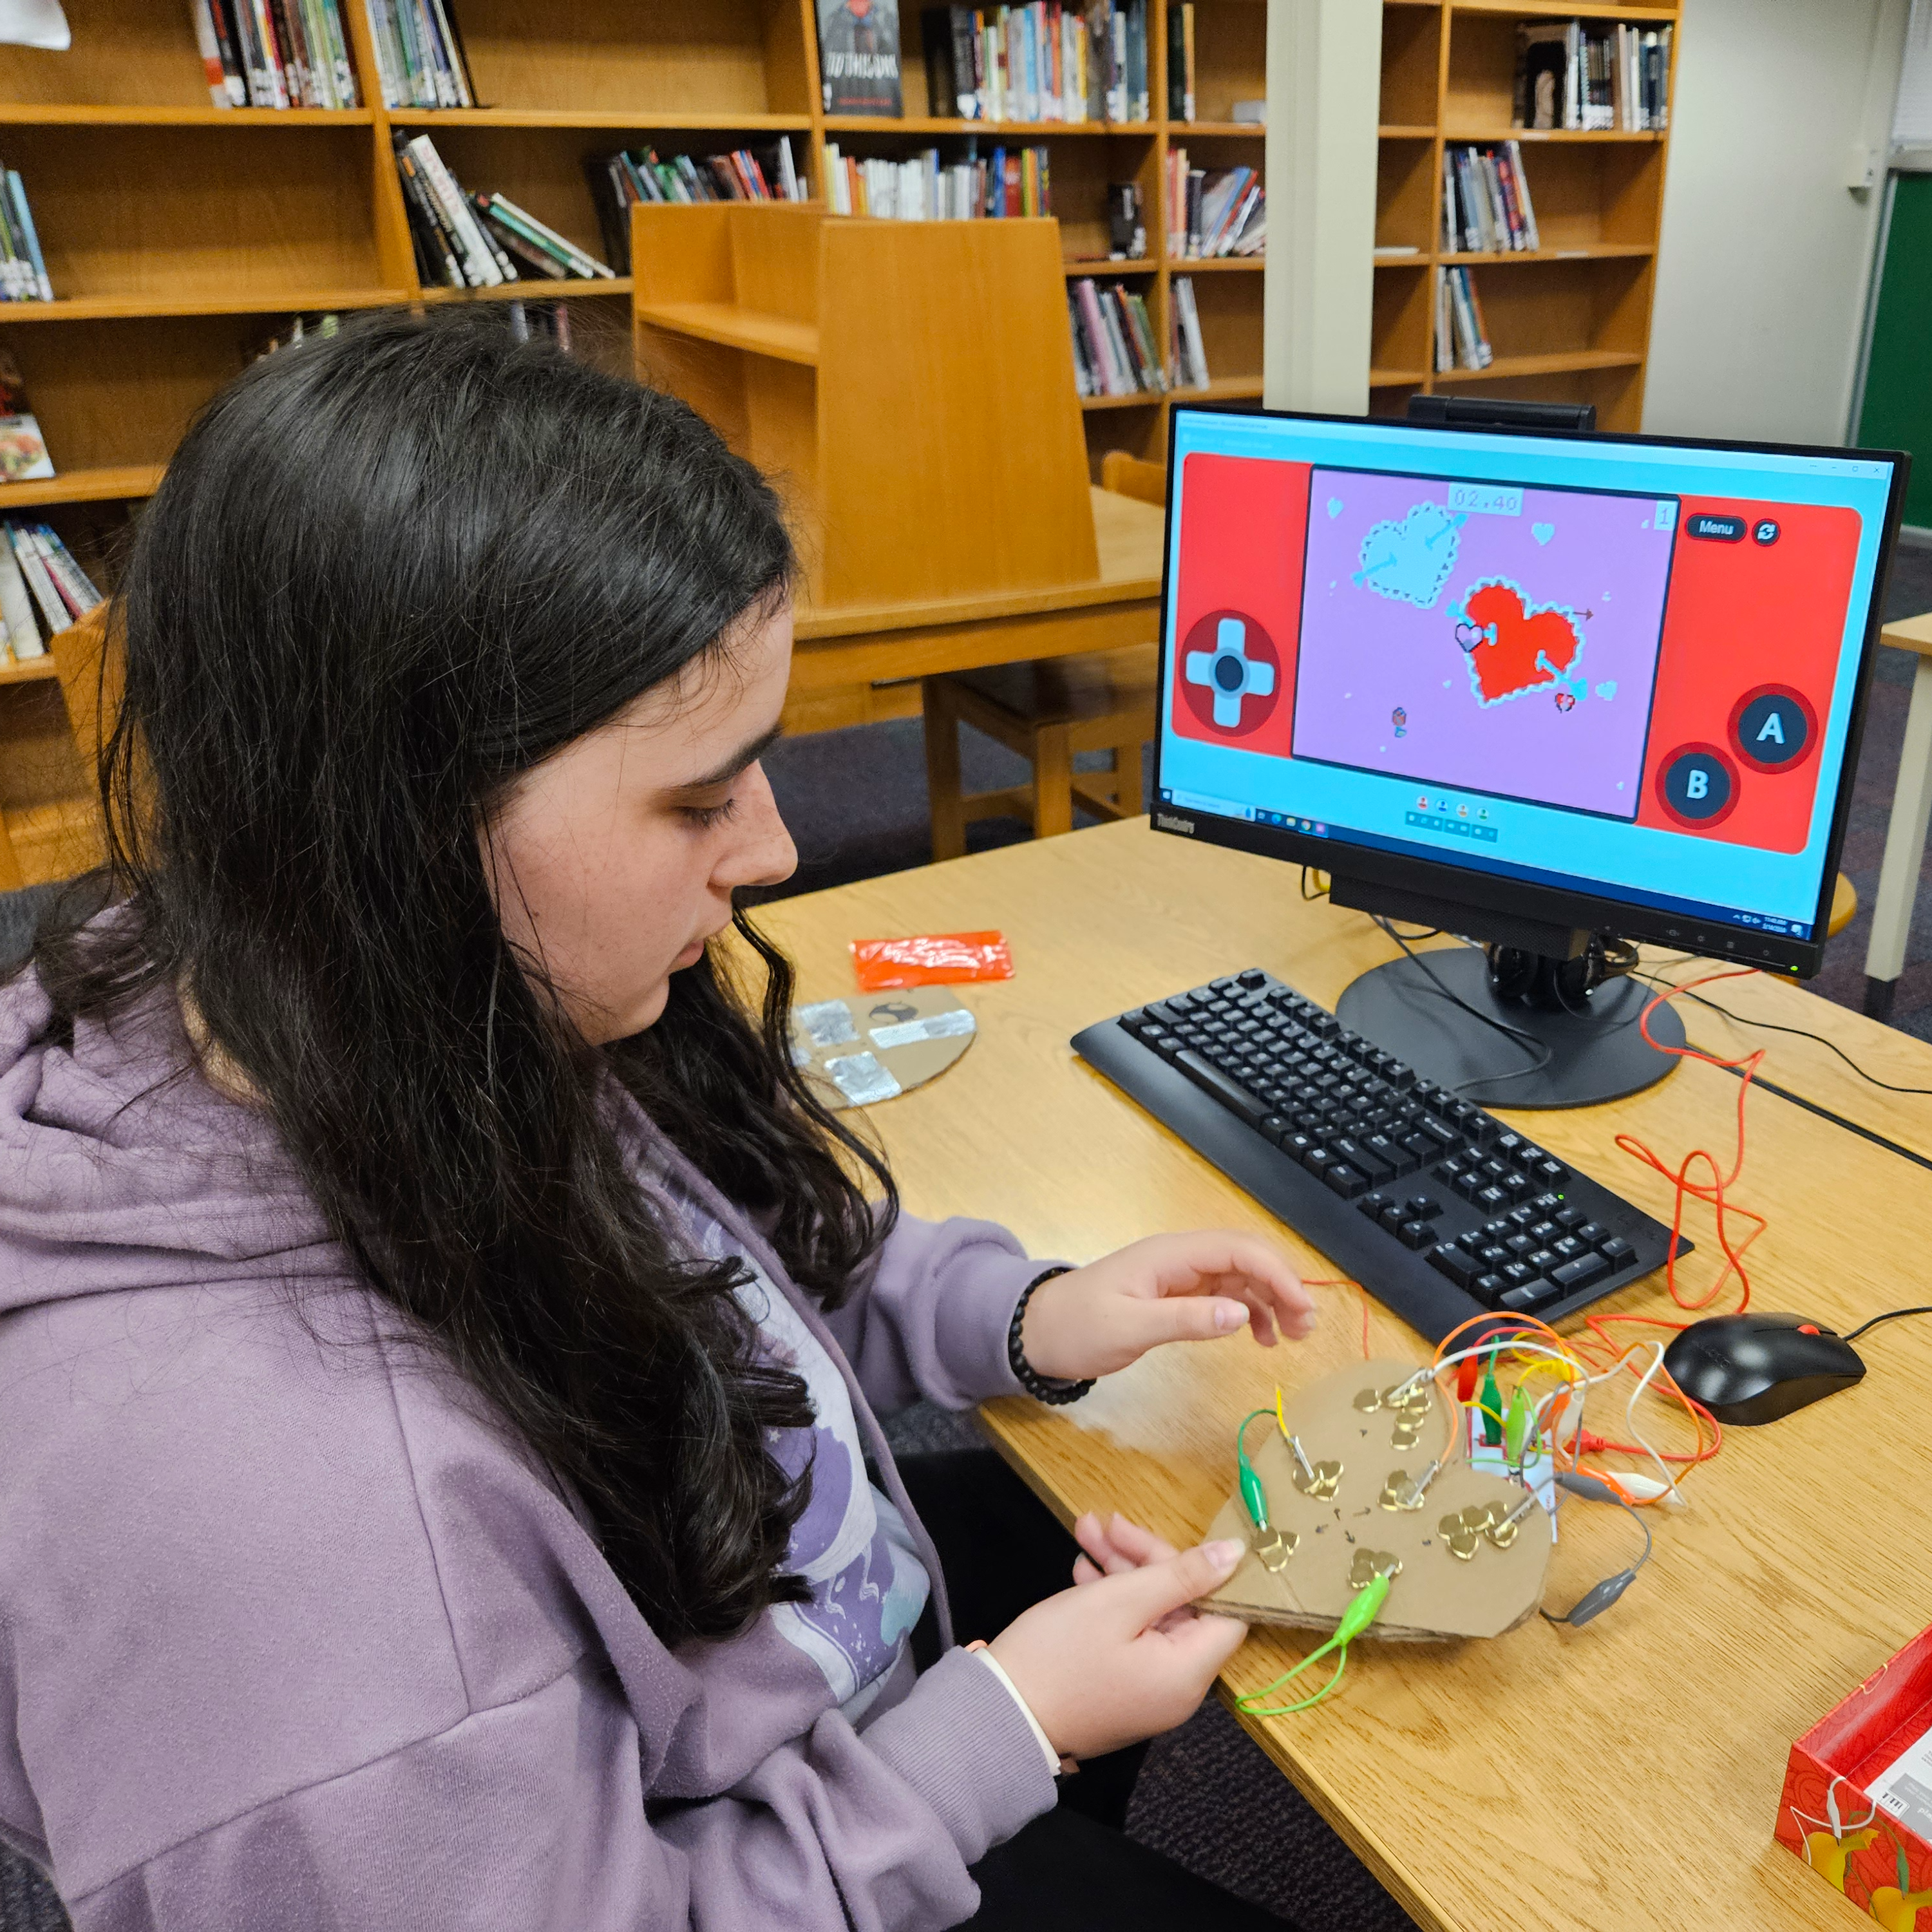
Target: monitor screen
<point>1600,682</point>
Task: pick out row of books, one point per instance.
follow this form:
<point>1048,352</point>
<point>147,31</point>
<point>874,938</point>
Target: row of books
<point>33,559</point>
<point>482,240</point>
<point>1115,347</point>
<point>1189,352</point>
<point>1008,182</point>
<point>619,182</point>
<point>1486,208</point>
<point>1462,337</point>
<point>1220,212</point>
<point>524,319</point>
<point>419,54</point>
<point>1180,91</point>
<point>1050,60</point>
<point>1594,76</point>
<point>23,269</point>
<point>274,53</point>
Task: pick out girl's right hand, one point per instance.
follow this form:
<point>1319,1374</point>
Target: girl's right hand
<point>1121,1657</point>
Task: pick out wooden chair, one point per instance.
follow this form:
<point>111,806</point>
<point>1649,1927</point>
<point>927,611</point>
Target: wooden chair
<point>1049,711</point>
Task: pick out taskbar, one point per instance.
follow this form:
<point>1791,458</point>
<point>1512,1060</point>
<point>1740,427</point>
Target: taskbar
<point>1473,836</point>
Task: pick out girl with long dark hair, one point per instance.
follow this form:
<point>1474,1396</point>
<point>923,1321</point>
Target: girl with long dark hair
<point>438,1324</point>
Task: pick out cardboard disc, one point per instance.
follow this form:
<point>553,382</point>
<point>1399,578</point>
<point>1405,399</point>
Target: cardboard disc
<point>1364,1452</point>
<point>876,1046</point>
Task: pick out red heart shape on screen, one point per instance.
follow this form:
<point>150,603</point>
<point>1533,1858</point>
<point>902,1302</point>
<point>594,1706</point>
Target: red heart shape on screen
<point>1509,662</point>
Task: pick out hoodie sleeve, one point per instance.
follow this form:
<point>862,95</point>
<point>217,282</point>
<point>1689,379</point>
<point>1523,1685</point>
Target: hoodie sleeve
<point>532,1816</point>
<point>930,1319</point>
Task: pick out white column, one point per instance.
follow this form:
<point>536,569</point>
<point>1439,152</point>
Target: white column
<point>1904,844</point>
<point>1325,101</point>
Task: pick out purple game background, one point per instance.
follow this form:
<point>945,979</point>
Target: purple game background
<point>1362,654</point>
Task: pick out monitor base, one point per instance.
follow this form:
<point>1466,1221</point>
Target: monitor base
<point>1596,1055</point>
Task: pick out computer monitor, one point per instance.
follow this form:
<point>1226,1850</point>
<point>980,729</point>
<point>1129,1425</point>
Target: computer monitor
<point>1548,692</point>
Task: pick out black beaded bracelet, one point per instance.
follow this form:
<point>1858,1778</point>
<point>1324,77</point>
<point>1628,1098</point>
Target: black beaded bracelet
<point>1041,1388</point>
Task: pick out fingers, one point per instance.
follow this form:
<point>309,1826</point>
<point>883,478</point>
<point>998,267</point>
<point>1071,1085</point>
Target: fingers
<point>1146,1594</point>
<point>1205,1643</point>
<point>1185,1319</point>
<point>1118,1545</point>
<point>1142,1545</point>
<point>1085,1572</point>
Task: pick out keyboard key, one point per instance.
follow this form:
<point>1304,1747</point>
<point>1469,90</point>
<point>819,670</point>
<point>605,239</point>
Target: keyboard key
<point>1518,1274</point>
<point>1585,1268</point>
<point>1544,1231</point>
<point>1394,1217</point>
<point>1520,1300</point>
<point>1617,1252</point>
<point>1400,1160</point>
<point>1422,1208</point>
<point>1317,1158</point>
<point>1508,1145</point>
<point>1518,1245</point>
<point>1231,1094</point>
<point>1252,980</point>
<point>1372,1204</point>
<point>1492,1254</point>
<point>1569,1219</point>
<point>1398,1073</point>
<point>1488,1199</point>
<point>1467,1185</point>
<point>1488,1289</point>
<point>1548,1203</point>
<point>1446,1138</point>
<point>1360,1158</point>
<point>1423,1148</point>
<point>1461,1268</point>
<point>1516,1185</point>
<point>1592,1236</point>
<point>1298,1144</point>
<point>1551,1170</point>
<point>1520,1218</point>
<point>1542,1259</point>
<point>1276,1128</point>
<point>1416,1235</point>
<point>1347,1182</point>
<point>1568,1247</point>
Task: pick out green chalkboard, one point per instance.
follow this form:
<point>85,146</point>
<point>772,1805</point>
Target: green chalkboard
<point>1897,411</point>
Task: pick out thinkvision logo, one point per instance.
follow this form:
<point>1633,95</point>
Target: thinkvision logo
<point>1168,822</point>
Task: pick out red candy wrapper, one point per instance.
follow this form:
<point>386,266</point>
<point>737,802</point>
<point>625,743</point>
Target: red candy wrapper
<point>931,959</point>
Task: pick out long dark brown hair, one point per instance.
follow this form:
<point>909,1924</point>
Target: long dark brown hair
<point>385,575</point>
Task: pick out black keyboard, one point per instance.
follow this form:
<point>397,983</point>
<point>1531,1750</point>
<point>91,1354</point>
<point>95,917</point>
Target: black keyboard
<point>1437,1208</point>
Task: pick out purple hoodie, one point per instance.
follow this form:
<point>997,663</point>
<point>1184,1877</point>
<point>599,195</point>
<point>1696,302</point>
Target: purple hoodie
<point>292,1635</point>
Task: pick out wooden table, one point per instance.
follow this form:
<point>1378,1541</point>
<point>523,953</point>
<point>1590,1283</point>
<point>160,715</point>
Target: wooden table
<point>1905,836</point>
<point>854,646</point>
<point>1622,1776</point>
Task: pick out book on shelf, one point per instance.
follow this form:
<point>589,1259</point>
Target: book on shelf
<point>1593,76</point>
<point>418,53</point>
<point>1127,222</point>
<point>23,450</point>
<point>530,320</point>
<point>1189,352</point>
<point>1181,96</point>
<point>1221,212</point>
<point>42,588</point>
<point>619,182</point>
<point>300,328</point>
<point>1115,352</point>
<point>1008,182</point>
<point>479,240</point>
<point>859,56</point>
<point>1046,61</point>
<point>1486,208</point>
<point>274,53</point>
<point>1462,337</point>
<point>23,269</point>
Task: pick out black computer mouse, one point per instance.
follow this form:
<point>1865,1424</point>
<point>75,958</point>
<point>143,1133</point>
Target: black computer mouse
<point>1749,1368</point>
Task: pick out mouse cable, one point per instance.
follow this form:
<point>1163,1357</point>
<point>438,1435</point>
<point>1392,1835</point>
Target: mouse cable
<point>1801,1032</point>
<point>1308,872</point>
<point>1545,1055</point>
<point>1891,1315</point>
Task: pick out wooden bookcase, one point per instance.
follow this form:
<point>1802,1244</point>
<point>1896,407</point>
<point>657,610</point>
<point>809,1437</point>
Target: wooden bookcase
<point>1568,323</point>
<point>179,236</point>
<point>1231,64</point>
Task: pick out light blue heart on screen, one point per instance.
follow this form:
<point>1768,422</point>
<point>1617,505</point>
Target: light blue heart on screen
<point>1334,506</point>
<point>1543,532</point>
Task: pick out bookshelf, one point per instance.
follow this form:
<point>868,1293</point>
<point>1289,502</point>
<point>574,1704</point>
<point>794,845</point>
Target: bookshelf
<point>1569,322</point>
<point>180,236</point>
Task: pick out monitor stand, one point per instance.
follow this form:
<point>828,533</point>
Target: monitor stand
<point>1596,1052</point>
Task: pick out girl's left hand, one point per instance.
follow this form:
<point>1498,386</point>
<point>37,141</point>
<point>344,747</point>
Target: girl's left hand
<point>1168,1288</point>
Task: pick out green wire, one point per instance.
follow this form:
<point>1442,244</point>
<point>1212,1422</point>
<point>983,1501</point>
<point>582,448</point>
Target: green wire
<point>1255,1710</point>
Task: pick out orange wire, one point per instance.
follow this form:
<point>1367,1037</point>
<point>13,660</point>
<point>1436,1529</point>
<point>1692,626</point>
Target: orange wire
<point>1714,1194</point>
